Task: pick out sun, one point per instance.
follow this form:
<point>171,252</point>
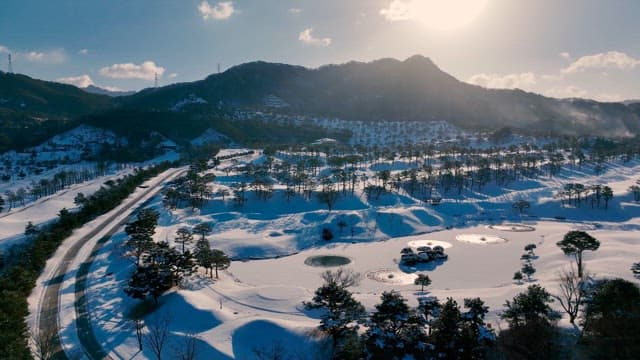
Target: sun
<point>446,14</point>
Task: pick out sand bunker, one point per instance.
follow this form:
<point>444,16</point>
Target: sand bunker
<point>480,239</point>
<point>511,227</point>
<point>430,243</point>
<point>390,276</point>
<point>327,260</point>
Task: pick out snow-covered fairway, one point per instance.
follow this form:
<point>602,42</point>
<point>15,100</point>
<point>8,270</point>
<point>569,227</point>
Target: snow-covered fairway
<point>266,295</point>
<point>257,304</point>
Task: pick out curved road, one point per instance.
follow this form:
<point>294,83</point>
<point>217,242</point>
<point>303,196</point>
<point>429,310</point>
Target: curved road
<point>48,308</point>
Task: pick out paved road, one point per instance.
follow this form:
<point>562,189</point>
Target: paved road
<point>47,322</point>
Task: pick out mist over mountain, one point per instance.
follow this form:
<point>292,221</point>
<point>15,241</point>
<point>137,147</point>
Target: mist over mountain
<point>388,89</point>
<point>102,91</point>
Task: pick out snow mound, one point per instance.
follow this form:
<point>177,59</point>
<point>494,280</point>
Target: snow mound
<point>511,227</point>
<point>390,276</point>
<point>431,243</point>
<point>269,336</point>
<point>480,239</point>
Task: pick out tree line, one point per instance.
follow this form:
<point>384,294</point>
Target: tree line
<point>18,278</point>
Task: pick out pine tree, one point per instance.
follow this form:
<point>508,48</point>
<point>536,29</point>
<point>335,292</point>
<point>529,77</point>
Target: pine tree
<point>141,233</point>
<point>203,229</point>
<point>341,311</point>
<point>183,237</point>
<point>422,280</point>
<point>575,243</point>
<point>528,270</point>
<point>204,255</point>
<point>446,331</point>
<point>219,260</point>
<point>395,330</point>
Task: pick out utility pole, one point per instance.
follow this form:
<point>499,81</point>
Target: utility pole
<point>10,70</point>
<point>156,82</point>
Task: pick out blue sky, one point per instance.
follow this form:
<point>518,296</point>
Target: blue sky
<point>569,48</point>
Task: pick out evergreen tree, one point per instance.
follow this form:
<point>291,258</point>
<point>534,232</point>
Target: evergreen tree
<point>141,233</point>
<point>446,334</point>
<point>575,243</point>
<point>204,255</point>
<point>528,270</point>
<point>395,330</point>
<point>31,230</point>
<point>422,280</point>
<point>183,236</point>
<point>341,312</point>
<point>532,332</point>
<point>612,319</point>
<point>219,260</point>
<point>203,229</point>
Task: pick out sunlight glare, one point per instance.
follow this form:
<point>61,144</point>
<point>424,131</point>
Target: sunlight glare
<point>446,14</point>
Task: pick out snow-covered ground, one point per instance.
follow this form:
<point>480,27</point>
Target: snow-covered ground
<point>43,210</point>
<point>265,296</point>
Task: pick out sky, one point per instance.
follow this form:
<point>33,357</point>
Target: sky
<point>568,48</point>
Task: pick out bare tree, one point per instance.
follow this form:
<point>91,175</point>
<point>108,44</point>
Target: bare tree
<point>571,292</point>
<point>188,347</point>
<point>275,352</point>
<point>342,277</point>
<point>156,336</point>
<point>138,324</point>
<point>44,344</point>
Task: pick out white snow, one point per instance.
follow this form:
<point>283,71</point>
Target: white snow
<point>265,296</point>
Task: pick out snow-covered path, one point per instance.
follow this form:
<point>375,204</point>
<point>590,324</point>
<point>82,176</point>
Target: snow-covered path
<point>52,303</point>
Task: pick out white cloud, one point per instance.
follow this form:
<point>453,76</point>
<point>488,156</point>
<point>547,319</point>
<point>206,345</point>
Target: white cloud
<point>569,91</point>
<point>4,50</point>
<point>565,55</point>
<point>173,75</point>
<point>397,10</point>
<point>307,37</point>
<point>56,56</point>
<point>81,81</point>
<point>507,81</point>
<point>146,71</point>
<point>83,51</point>
<point>220,11</point>
<point>295,11</point>
<point>607,60</point>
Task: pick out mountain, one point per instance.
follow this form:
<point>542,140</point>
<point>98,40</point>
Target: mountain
<point>33,110</point>
<point>389,89</point>
<point>92,89</point>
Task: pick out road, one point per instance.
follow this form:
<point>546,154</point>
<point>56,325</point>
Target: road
<point>47,317</point>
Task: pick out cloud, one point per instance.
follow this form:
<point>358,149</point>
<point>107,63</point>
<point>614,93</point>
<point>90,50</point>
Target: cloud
<point>307,37</point>
<point>607,60</point>
<point>81,81</point>
<point>569,91</point>
<point>565,55</point>
<point>398,10</point>
<point>508,81</point>
<point>83,52</point>
<point>146,71</point>
<point>4,50</point>
<point>56,56</point>
<point>173,75</point>
<point>220,11</point>
<point>295,11</point>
